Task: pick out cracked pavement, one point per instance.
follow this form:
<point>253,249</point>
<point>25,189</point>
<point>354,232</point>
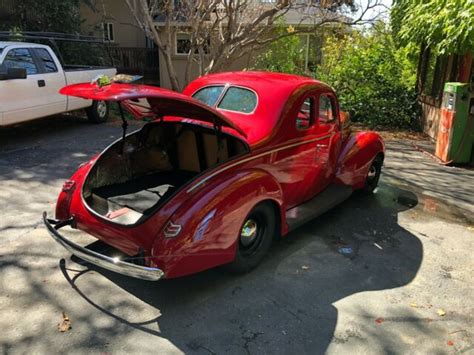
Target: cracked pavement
<point>411,255</point>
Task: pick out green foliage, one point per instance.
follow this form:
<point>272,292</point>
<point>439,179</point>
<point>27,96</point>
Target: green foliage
<point>446,26</point>
<point>285,55</point>
<point>374,79</point>
<point>44,15</point>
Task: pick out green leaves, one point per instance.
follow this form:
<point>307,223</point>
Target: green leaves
<point>373,78</point>
<point>446,26</point>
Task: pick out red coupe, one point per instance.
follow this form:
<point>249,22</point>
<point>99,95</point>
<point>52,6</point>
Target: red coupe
<point>220,171</point>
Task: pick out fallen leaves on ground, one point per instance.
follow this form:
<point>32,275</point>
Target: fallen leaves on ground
<point>65,324</point>
<point>441,312</point>
<point>379,320</point>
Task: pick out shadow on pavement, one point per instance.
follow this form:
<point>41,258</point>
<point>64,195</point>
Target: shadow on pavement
<point>286,305</point>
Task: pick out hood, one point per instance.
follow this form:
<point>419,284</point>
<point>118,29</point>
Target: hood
<point>162,102</point>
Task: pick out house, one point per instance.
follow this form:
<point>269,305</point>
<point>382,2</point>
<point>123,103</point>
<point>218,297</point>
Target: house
<point>433,72</point>
<point>132,52</point>
<point>135,53</point>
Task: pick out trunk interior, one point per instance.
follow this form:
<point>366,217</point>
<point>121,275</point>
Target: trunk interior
<point>134,177</point>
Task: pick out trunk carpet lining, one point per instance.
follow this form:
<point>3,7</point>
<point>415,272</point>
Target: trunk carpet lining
<point>145,193</point>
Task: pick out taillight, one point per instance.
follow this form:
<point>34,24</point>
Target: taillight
<point>171,230</point>
<point>64,200</point>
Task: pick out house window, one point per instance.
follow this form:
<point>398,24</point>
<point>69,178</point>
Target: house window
<point>183,44</point>
<point>304,119</point>
<point>108,30</point>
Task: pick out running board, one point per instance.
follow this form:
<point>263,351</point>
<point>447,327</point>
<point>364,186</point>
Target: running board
<point>329,198</point>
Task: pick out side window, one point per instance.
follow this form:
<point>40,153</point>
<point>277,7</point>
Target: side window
<point>327,112</point>
<point>304,118</point>
<point>21,58</point>
<point>47,60</point>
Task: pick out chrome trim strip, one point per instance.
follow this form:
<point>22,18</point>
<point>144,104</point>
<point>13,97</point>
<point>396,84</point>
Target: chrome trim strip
<point>255,157</point>
<point>104,261</point>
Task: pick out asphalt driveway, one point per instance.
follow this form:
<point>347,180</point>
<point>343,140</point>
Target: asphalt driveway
<point>385,273</point>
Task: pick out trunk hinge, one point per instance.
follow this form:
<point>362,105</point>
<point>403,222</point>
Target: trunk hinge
<point>124,126</point>
<point>220,142</point>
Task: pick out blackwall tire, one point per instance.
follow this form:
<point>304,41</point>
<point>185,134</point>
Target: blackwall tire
<point>373,175</point>
<point>255,238</point>
<point>98,112</point>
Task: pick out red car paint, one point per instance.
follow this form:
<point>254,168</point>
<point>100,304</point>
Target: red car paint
<point>284,165</point>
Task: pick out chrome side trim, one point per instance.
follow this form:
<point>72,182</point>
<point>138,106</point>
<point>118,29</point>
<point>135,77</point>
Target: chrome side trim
<point>199,183</point>
<point>104,261</point>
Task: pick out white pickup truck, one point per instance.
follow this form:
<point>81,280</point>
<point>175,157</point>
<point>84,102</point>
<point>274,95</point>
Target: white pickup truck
<point>30,78</point>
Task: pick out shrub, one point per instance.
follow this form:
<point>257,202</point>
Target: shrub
<point>374,79</point>
<point>285,55</point>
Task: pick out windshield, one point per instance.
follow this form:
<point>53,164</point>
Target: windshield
<point>234,99</point>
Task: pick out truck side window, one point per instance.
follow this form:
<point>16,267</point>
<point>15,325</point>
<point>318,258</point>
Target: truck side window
<point>304,118</point>
<point>20,58</point>
<point>47,60</point>
<point>327,112</point>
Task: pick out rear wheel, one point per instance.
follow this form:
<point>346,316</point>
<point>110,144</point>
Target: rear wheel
<point>98,112</point>
<point>373,175</point>
<point>255,238</point>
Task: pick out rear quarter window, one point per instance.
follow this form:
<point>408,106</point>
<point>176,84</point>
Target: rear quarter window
<point>209,95</point>
<point>239,99</point>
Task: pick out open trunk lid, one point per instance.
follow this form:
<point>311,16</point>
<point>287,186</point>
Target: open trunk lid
<point>162,102</point>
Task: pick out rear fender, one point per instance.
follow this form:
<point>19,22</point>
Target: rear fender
<point>357,154</point>
<point>72,190</point>
<point>210,222</point>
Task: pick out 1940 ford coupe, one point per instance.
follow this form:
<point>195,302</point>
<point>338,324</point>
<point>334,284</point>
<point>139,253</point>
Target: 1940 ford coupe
<point>221,170</point>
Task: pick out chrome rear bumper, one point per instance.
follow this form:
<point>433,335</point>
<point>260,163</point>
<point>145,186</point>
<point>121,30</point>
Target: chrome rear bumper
<point>104,261</point>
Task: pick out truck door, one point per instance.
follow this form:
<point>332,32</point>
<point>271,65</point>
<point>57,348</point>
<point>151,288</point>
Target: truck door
<point>50,81</point>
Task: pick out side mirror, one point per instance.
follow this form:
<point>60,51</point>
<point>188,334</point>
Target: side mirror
<point>13,73</point>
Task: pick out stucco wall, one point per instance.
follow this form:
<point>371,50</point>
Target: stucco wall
<point>127,34</point>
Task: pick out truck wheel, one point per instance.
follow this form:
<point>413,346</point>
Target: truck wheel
<point>373,175</point>
<point>255,238</point>
<point>98,112</point>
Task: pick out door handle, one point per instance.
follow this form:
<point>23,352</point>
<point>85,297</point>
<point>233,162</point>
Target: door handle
<point>41,83</point>
<point>321,145</point>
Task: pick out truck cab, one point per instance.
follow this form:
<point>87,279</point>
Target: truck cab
<point>33,91</point>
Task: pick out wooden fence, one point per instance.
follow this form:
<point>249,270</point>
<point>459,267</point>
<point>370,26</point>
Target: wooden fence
<point>138,61</point>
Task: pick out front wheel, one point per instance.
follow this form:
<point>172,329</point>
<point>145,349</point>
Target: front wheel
<point>373,175</point>
<point>98,112</point>
<point>254,239</point>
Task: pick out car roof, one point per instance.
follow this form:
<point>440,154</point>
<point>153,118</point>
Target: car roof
<point>273,91</point>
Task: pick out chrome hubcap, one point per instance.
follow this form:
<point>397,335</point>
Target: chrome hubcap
<point>101,109</point>
<point>249,232</point>
<point>372,173</point>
